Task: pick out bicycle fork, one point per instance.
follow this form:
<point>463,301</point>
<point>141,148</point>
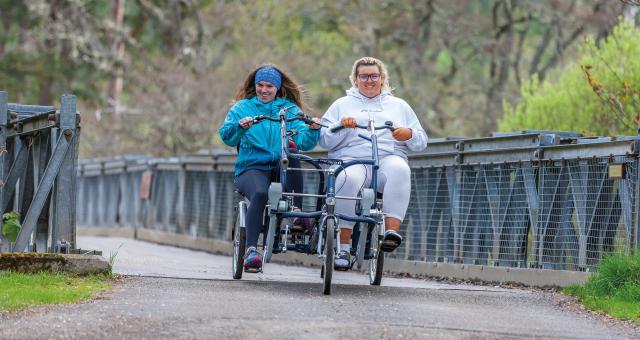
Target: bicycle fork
<point>330,204</point>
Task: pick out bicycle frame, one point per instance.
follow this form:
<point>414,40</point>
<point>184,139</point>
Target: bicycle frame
<point>332,173</point>
<point>326,233</point>
<point>375,164</point>
<point>284,162</point>
<point>284,149</point>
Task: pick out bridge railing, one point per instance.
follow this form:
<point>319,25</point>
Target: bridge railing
<point>532,199</point>
<point>38,155</point>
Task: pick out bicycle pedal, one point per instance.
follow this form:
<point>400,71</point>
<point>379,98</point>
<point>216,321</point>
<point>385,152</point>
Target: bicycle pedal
<point>389,246</point>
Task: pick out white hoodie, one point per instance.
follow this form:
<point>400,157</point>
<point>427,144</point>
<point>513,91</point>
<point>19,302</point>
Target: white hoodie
<point>346,144</point>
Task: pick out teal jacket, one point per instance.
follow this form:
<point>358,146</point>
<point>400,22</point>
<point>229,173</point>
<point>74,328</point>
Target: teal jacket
<point>260,144</point>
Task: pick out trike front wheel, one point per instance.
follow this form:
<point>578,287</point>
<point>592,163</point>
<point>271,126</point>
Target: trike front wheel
<point>376,262</point>
<point>329,252</point>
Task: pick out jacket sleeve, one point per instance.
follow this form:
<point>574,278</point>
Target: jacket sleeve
<point>418,141</point>
<point>230,132</point>
<point>331,140</point>
<point>307,138</point>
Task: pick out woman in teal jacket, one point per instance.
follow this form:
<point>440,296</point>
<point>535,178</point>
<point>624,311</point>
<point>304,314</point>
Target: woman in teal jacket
<point>265,91</point>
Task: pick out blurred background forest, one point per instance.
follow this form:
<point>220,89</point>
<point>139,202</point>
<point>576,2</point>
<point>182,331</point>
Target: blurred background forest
<point>157,76</point>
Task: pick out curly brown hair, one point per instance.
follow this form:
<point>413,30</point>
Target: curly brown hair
<point>289,88</point>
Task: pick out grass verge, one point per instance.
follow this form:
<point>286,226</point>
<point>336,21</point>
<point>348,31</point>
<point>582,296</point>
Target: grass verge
<point>21,291</point>
<point>614,288</point>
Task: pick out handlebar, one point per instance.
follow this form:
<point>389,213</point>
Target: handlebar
<point>387,125</point>
<point>302,117</point>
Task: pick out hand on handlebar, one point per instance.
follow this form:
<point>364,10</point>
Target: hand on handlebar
<point>246,122</point>
<point>346,122</point>
<point>313,122</point>
<point>315,125</point>
<point>349,122</point>
<point>402,134</point>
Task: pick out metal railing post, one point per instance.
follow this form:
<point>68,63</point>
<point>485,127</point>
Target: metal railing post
<point>4,102</point>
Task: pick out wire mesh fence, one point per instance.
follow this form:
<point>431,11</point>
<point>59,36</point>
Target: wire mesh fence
<point>562,211</point>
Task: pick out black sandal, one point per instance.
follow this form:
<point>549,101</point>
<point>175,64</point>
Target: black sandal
<point>392,240</point>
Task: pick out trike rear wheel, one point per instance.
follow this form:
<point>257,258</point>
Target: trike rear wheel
<point>239,245</point>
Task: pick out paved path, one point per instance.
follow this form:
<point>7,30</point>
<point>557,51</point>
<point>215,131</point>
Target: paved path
<point>178,293</point>
<point>147,259</point>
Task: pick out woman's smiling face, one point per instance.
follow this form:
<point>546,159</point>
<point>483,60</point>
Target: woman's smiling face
<point>265,91</point>
<point>369,80</point>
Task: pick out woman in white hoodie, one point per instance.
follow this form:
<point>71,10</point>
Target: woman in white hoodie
<point>370,96</point>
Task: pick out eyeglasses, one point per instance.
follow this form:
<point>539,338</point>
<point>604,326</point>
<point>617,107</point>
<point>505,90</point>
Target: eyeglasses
<point>372,76</point>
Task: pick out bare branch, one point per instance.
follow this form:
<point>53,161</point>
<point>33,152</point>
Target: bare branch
<point>542,47</point>
<point>631,2</point>
<point>522,34</point>
<point>561,47</point>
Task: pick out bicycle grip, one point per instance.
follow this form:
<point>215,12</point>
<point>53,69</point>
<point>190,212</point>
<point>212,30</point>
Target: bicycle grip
<point>336,128</point>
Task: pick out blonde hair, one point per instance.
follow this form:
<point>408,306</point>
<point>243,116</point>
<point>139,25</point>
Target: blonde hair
<point>370,61</point>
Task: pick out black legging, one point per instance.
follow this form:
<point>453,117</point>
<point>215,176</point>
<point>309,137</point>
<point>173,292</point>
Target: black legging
<point>254,184</point>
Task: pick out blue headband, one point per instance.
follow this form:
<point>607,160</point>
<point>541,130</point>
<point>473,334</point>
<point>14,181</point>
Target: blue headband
<point>269,74</point>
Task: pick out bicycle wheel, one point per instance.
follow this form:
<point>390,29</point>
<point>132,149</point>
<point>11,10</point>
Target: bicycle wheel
<point>239,242</point>
<point>329,253</point>
<point>376,262</point>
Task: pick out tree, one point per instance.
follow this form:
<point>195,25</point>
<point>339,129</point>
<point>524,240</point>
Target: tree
<point>597,95</point>
<point>453,61</point>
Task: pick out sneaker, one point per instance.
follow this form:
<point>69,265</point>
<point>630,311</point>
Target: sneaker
<point>342,261</point>
<point>392,240</point>
<point>252,261</point>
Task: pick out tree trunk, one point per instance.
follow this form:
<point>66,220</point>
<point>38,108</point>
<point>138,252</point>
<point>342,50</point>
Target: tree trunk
<point>115,86</point>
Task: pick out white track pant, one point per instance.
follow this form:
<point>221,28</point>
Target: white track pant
<point>394,180</point>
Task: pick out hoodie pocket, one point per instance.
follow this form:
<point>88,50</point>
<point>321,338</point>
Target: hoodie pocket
<point>386,146</point>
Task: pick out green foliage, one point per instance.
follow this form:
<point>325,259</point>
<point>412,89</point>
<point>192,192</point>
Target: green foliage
<point>452,61</point>
<point>21,291</point>
<point>11,225</point>
<point>51,48</point>
<point>443,61</point>
<point>597,95</point>
<point>112,259</point>
<point>614,288</point>
<point>614,274</point>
